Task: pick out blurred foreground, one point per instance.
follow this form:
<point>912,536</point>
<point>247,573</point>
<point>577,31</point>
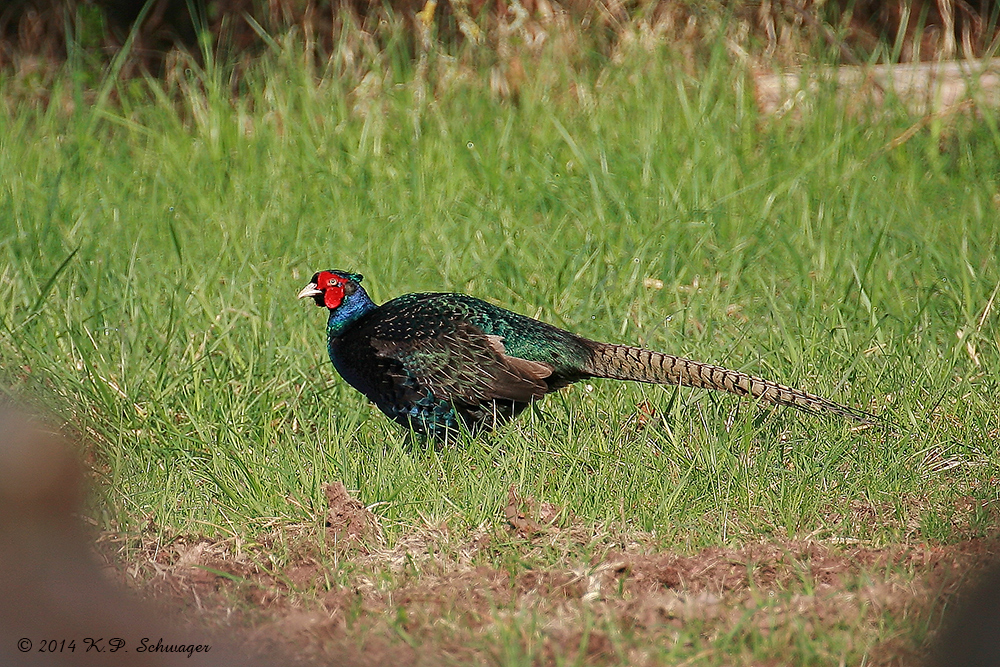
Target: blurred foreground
<point>56,606</point>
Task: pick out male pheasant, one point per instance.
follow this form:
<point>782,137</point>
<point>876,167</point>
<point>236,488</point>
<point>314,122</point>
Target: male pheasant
<point>440,363</point>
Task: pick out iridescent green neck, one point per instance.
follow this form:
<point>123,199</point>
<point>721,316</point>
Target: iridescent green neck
<point>353,308</point>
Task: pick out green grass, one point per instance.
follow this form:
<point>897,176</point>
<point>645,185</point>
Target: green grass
<point>153,237</point>
<point>151,250</point>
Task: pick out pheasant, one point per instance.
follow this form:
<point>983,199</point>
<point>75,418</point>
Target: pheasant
<point>440,363</point>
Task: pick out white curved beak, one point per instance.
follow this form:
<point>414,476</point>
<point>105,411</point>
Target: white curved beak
<point>309,290</point>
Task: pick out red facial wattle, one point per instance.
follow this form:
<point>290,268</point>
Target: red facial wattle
<point>333,296</point>
<point>332,287</point>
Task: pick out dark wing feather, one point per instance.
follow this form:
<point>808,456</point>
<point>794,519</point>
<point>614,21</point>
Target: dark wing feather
<point>458,362</point>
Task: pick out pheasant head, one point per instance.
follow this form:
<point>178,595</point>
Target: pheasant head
<point>341,292</point>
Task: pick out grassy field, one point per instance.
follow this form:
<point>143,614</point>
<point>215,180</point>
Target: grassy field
<point>153,238</point>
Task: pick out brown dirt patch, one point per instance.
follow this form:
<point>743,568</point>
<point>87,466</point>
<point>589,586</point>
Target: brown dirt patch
<point>346,518</point>
<point>440,596</point>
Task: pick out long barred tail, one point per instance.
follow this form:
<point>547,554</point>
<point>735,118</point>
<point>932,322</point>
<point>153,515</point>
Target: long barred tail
<point>622,362</point>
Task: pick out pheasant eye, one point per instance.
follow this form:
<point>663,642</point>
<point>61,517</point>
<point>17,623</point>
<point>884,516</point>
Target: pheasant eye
<point>325,280</point>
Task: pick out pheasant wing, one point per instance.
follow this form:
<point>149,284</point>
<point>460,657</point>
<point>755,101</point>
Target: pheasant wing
<point>458,362</point>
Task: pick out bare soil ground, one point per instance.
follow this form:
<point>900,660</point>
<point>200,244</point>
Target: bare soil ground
<point>552,593</point>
